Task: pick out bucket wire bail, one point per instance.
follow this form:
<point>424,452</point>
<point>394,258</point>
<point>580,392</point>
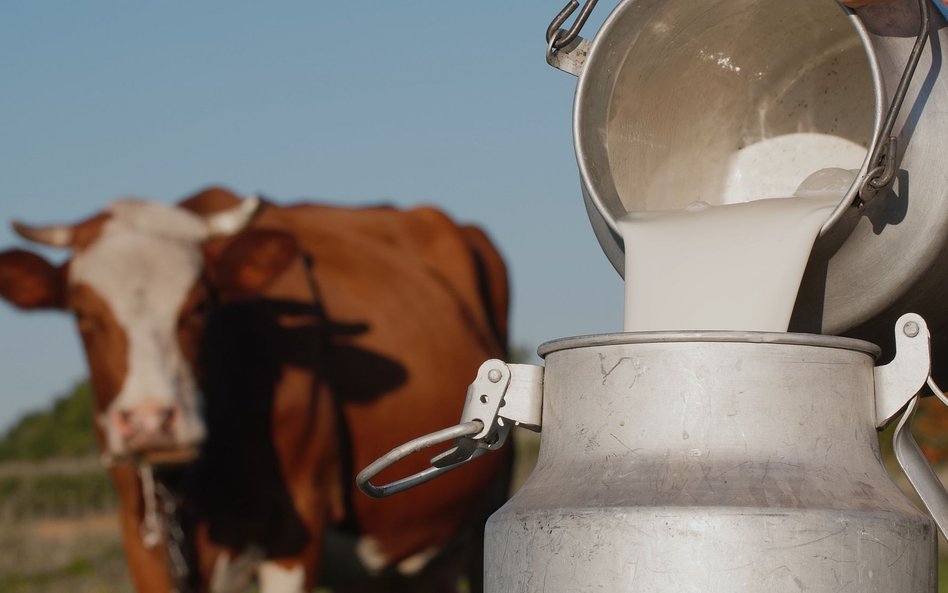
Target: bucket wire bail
<point>557,38</point>
<point>883,163</point>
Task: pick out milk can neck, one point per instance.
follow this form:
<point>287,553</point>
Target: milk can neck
<point>765,401</point>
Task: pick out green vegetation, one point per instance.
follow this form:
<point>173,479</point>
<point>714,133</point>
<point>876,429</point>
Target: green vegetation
<point>942,574</point>
<point>47,465</point>
<point>63,431</point>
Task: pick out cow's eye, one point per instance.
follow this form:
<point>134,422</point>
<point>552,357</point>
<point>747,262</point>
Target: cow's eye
<point>195,314</point>
<point>201,308</point>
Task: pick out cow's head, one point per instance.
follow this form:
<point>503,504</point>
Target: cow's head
<point>139,286</point>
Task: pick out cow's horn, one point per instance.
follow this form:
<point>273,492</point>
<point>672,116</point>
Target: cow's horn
<point>233,220</point>
<point>54,236</point>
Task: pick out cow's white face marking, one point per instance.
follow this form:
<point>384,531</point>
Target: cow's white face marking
<point>144,264</point>
<point>276,579</point>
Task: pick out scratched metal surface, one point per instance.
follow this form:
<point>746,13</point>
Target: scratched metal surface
<point>711,467</point>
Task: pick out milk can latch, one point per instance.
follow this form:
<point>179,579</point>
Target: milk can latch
<point>502,396</point>
<point>900,380</point>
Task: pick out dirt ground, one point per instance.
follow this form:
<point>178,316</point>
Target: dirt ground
<point>63,555</point>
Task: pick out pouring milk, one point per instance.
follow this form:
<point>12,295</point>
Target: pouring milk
<point>735,266</point>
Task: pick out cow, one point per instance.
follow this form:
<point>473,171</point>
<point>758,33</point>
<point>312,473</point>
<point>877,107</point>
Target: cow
<point>286,347</point>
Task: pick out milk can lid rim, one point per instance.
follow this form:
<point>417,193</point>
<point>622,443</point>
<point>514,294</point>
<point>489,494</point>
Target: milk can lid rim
<point>708,336</point>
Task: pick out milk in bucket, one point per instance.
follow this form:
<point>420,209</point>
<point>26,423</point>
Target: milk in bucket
<point>736,265</point>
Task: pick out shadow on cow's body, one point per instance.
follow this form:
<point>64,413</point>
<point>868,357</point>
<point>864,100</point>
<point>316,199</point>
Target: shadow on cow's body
<point>320,338</point>
<point>237,482</point>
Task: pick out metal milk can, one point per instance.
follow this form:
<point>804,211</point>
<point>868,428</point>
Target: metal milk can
<point>671,91</point>
<point>715,463</point>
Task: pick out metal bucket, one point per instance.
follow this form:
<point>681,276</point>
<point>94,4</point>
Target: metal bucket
<point>709,463</point>
<point>670,91</point>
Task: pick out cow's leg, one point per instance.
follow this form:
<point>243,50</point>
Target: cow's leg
<point>148,566</point>
<point>305,429</point>
<point>296,574</point>
<point>439,576</point>
<point>277,576</point>
<point>415,574</point>
<point>233,572</point>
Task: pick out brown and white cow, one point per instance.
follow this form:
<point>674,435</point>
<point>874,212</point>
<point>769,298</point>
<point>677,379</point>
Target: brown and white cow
<point>318,338</point>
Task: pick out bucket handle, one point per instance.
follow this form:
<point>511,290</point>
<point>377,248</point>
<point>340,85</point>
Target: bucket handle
<point>883,163</point>
<point>557,38</point>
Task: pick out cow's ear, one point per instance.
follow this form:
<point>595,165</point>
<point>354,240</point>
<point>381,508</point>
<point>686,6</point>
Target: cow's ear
<point>244,266</point>
<point>30,282</point>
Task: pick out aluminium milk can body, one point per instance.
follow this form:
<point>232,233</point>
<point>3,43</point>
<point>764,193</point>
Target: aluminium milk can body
<point>721,466</point>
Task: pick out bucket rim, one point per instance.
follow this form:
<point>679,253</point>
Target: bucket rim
<point>733,337</point>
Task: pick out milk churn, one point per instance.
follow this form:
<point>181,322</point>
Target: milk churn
<point>716,463</point>
<point>732,462</point>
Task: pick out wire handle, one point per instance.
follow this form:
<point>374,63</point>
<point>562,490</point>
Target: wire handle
<point>920,474</point>
<point>502,396</point>
<point>883,163</point>
<point>459,432</point>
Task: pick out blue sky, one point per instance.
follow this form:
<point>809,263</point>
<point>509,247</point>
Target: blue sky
<point>441,102</point>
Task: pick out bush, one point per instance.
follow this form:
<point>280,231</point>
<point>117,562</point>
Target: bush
<point>64,431</point>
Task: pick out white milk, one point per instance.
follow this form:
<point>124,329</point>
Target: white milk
<point>773,168</point>
<point>736,266</point>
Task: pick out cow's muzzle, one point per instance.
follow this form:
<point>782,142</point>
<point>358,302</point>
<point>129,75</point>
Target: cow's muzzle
<point>148,428</point>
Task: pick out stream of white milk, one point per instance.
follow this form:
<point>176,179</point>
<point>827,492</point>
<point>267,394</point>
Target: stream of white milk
<point>735,266</point>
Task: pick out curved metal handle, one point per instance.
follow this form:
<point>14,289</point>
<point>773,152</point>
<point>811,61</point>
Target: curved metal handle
<point>883,164</point>
<point>559,38</point>
<point>440,464</point>
<point>565,49</point>
<point>502,396</point>
<point>919,473</point>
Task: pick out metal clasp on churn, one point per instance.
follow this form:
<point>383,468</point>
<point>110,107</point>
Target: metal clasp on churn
<point>502,396</point>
